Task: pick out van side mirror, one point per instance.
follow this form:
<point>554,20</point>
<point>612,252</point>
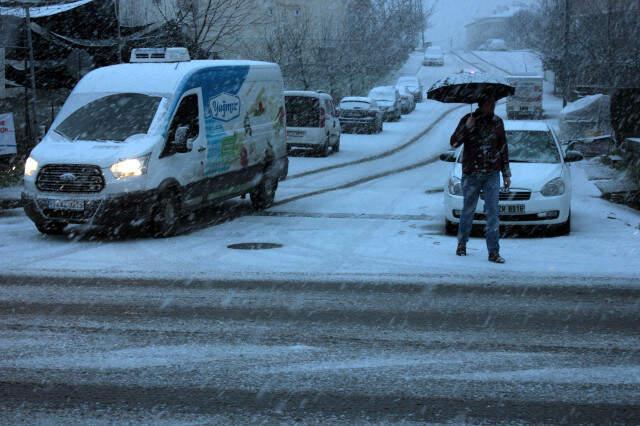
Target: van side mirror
<point>573,156</point>
<point>181,141</point>
<point>448,157</point>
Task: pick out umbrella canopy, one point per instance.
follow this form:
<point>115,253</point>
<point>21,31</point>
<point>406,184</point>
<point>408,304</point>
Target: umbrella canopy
<point>466,88</point>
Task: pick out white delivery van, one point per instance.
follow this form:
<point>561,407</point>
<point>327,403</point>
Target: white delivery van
<point>527,100</point>
<point>143,143</point>
<point>312,121</point>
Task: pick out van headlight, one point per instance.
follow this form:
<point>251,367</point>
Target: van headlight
<point>130,167</point>
<point>455,186</point>
<point>553,188</point>
<point>30,167</point>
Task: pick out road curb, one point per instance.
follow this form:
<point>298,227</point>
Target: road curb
<point>437,285</point>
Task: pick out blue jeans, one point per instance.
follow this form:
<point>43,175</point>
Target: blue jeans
<point>471,187</point>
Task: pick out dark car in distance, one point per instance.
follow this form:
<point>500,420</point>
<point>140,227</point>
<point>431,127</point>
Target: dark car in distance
<point>360,115</point>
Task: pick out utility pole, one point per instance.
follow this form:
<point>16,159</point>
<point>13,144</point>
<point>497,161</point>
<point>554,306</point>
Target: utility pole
<point>32,68</point>
<point>116,6</point>
<point>565,59</point>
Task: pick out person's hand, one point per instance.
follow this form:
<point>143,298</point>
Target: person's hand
<point>471,121</point>
<point>507,182</point>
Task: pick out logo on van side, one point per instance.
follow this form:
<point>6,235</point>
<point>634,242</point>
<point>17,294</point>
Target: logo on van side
<point>225,107</point>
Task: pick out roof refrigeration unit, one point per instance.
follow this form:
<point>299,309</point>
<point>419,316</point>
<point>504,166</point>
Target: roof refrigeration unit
<point>168,54</point>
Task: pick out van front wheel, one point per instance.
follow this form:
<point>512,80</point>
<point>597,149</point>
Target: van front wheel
<point>263,195</point>
<point>165,216</point>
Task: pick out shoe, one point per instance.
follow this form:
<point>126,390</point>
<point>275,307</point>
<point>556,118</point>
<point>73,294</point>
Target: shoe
<point>496,258</point>
<point>461,250</point>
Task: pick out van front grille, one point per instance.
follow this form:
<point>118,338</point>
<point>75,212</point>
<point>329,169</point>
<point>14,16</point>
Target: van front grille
<point>72,178</point>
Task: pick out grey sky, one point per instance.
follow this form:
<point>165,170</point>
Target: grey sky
<point>447,24</point>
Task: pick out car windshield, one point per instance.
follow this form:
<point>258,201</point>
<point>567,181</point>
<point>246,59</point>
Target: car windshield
<point>302,111</point>
<point>434,51</point>
<point>355,105</point>
<point>111,118</point>
<point>532,147</point>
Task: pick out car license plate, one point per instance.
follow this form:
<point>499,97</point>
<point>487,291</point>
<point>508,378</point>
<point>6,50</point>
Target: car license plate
<point>295,133</point>
<point>512,208</point>
<point>76,205</point>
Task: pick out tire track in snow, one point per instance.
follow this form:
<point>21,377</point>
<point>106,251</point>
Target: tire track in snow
<point>375,176</point>
<point>378,156</point>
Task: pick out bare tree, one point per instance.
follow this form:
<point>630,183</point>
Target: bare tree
<point>207,26</point>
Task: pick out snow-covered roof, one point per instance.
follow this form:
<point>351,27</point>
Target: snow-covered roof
<point>383,89</point>
<point>309,93</point>
<point>526,126</point>
<point>582,103</point>
<point>42,11</point>
<point>356,99</point>
<point>152,78</point>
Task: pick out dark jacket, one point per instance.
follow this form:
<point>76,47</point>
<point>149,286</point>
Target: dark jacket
<point>485,145</point>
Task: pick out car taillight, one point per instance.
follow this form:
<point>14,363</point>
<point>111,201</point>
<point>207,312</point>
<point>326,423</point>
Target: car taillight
<point>323,117</point>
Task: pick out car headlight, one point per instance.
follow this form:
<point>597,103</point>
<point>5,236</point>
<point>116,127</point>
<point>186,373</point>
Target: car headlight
<point>553,188</point>
<point>30,167</point>
<point>130,167</point>
<point>455,186</point>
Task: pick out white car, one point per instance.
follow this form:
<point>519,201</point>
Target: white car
<point>388,100</point>
<point>433,56</point>
<point>540,193</point>
<point>407,101</point>
<point>312,122</point>
<point>413,85</point>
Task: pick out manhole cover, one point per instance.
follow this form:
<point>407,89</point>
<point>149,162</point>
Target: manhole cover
<point>254,246</point>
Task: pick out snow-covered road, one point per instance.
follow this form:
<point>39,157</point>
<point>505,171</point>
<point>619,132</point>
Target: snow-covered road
<point>381,218</point>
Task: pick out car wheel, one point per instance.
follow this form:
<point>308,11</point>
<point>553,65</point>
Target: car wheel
<point>326,148</point>
<point>565,228</point>
<point>51,228</point>
<point>380,127</point>
<point>336,147</point>
<point>165,216</point>
<point>450,228</point>
<point>263,195</point>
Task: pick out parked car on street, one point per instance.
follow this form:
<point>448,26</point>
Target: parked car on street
<point>312,122</point>
<point>433,56</point>
<point>407,101</point>
<point>540,194</point>
<point>526,103</point>
<point>361,115</point>
<point>388,99</point>
<point>127,150</point>
<point>413,85</point>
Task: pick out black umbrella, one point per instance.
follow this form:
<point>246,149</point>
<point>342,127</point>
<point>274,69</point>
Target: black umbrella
<point>466,88</point>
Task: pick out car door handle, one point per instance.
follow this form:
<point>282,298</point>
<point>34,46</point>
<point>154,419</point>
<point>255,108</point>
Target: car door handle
<point>202,149</point>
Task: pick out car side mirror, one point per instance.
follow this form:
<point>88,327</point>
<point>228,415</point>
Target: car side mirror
<point>448,157</point>
<point>573,156</point>
<point>181,142</point>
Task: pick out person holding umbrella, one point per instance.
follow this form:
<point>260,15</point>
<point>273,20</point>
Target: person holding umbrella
<point>486,153</point>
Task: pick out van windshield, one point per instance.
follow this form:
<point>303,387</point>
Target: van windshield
<point>112,118</point>
<point>302,111</point>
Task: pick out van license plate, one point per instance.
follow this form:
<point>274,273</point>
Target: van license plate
<point>76,205</point>
<point>512,208</point>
